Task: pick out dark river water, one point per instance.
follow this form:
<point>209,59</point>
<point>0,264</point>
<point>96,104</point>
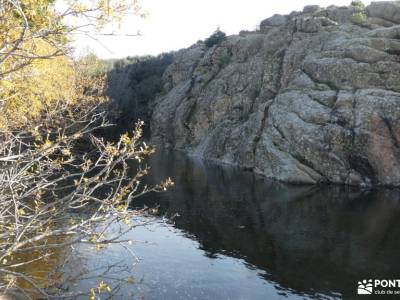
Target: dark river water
<point>237,236</point>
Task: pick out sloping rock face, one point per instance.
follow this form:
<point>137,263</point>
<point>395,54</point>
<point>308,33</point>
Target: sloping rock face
<point>311,97</point>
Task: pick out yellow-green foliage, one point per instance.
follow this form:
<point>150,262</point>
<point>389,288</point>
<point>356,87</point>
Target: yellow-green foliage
<point>359,18</point>
<point>30,90</point>
<point>36,75</point>
<point>358,4</point>
<point>91,65</point>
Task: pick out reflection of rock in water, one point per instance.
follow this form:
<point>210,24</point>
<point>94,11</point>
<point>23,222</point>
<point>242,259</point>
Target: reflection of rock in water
<point>13,295</point>
<point>306,238</point>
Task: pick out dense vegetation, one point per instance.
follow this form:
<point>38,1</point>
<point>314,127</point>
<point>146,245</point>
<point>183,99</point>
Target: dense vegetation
<point>133,84</point>
<point>60,184</point>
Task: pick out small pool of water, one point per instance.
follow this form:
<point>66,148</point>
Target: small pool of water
<point>236,236</point>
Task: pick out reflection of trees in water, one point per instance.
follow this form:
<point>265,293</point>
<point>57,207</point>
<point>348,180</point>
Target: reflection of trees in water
<point>305,237</point>
<point>43,269</point>
<point>74,270</point>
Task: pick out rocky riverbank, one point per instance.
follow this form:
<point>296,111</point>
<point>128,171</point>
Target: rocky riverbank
<point>310,97</point>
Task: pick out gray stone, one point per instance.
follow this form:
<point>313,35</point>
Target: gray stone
<point>314,24</point>
<point>310,9</point>
<point>386,10</point>
<point>311,98</point>
<point>274,21</point>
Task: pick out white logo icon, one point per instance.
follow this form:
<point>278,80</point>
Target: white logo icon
<point>365,287</point>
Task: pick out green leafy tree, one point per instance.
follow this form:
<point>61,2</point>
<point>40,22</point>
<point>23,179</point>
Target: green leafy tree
<point>359,4</point>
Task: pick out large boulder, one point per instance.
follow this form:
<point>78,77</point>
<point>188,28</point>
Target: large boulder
<point>386,10</point>
<point>311,97</point>
<point>274,21</point>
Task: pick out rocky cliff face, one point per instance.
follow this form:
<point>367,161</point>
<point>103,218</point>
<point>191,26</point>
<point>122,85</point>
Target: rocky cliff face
<point>311,97</point>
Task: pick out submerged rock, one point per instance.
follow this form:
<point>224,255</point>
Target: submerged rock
<point>311,97</point>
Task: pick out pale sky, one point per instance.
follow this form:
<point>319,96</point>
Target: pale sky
<point>176,24</point>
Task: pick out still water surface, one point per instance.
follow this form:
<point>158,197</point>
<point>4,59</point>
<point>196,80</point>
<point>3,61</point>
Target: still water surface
<point>237,236</point>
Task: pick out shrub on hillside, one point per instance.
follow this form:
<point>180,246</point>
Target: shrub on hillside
<point>358,4</point>
<point>359,18</point>
<point>224,60</point>
<point>216,38</point>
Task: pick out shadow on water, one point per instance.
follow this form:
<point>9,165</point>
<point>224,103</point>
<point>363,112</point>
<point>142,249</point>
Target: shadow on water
<point>308,240</point>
